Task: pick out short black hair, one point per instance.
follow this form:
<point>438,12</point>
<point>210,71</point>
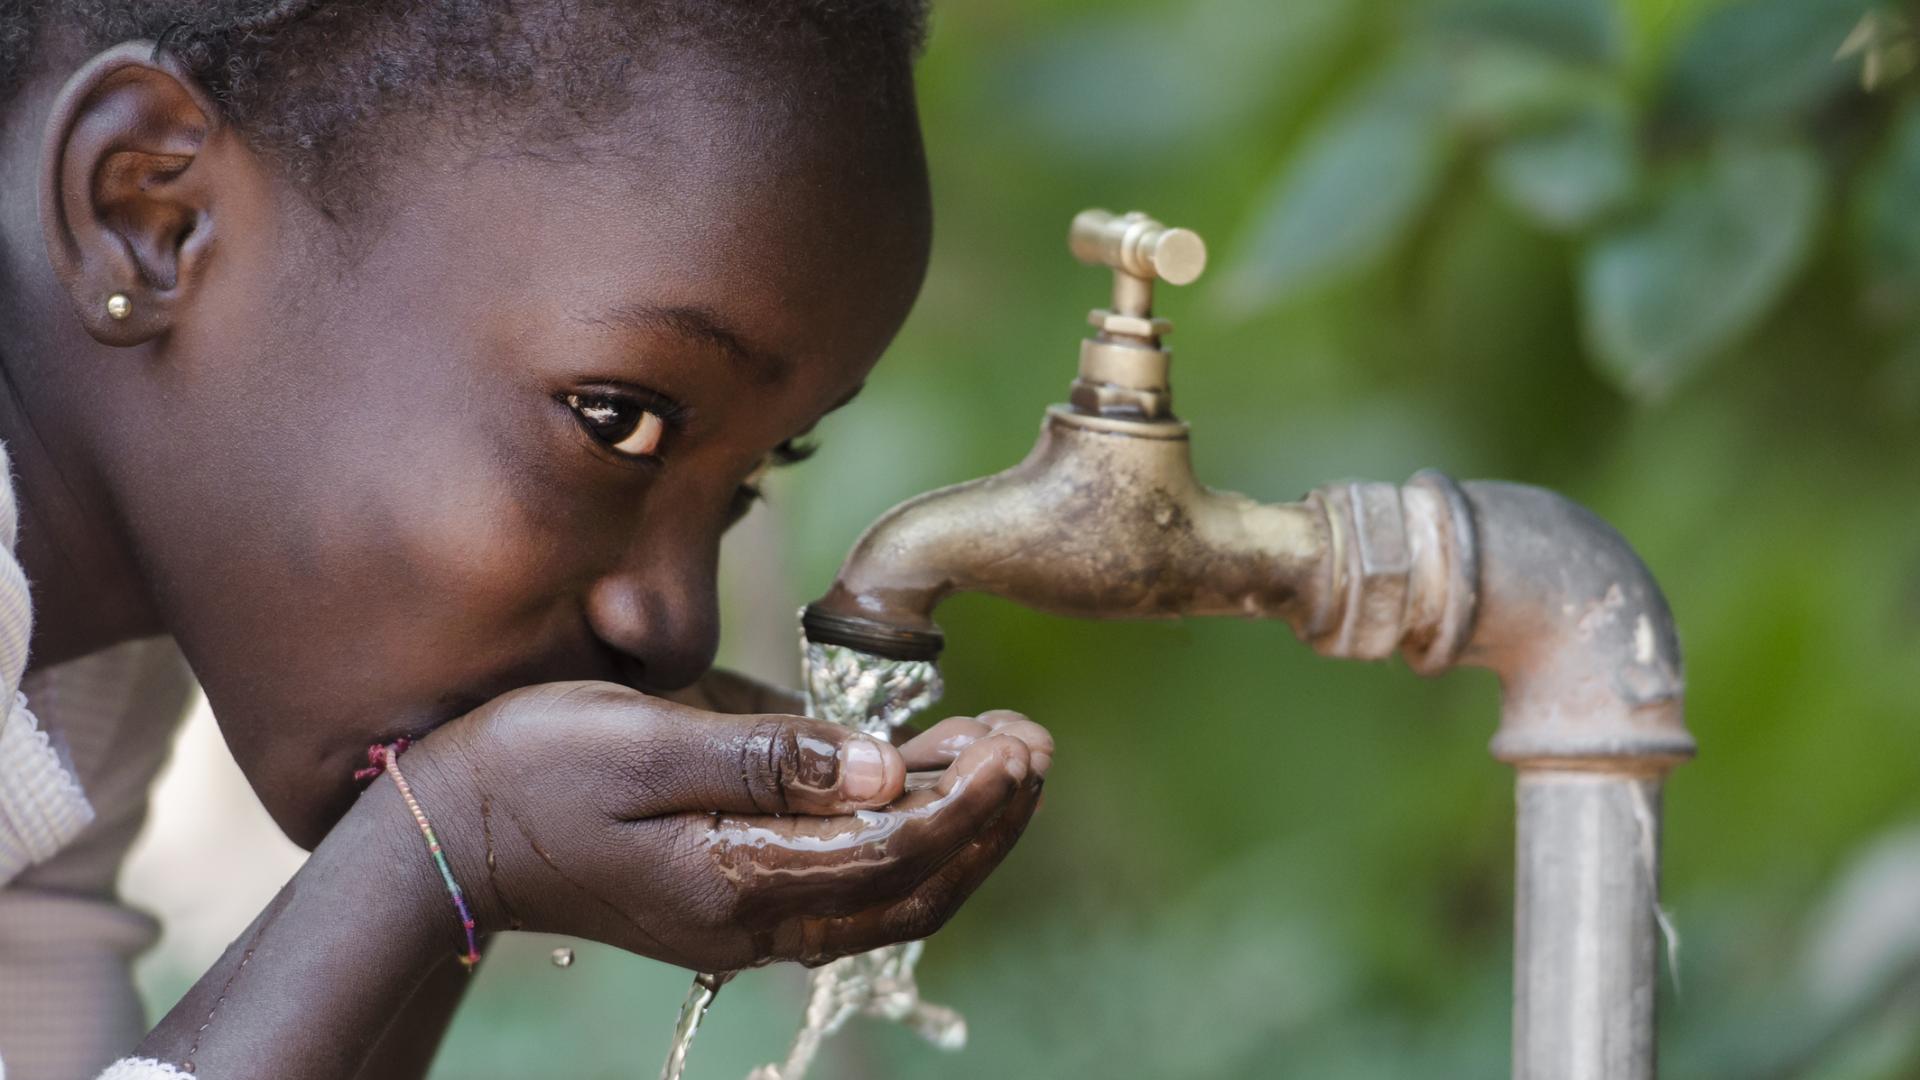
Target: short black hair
<point>310,81</point>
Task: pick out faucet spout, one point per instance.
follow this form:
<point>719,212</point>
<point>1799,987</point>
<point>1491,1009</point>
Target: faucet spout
<point>1103,520</point>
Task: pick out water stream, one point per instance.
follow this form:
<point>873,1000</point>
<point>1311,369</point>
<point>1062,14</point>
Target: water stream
<point>873,695</point>
<point>692,1011</point>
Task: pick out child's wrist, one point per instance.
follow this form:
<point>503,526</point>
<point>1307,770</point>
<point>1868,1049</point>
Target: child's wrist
<point>377,856</point>
<point>320,973</point>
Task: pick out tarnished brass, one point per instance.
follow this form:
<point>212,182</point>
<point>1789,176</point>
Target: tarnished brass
<point>1103,520</point>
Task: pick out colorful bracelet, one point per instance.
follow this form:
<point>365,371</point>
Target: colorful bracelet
<point>387,759</point>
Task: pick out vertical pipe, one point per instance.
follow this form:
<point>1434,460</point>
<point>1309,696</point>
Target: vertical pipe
<point>1533,587</point>
<point>1586,966</point>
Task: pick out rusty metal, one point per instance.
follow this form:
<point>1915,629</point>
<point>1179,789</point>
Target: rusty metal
<point>1105,519</point>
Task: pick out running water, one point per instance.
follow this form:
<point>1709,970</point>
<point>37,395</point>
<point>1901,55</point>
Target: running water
<point>692,1011</point>
<point>873,695</point>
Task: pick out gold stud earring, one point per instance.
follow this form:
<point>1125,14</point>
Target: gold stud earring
<point>119,306</point>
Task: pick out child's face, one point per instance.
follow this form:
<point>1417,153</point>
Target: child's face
<point>380,502</point>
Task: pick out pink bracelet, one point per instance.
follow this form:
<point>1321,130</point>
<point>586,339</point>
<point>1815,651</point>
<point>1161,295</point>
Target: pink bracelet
<point>387,759</point>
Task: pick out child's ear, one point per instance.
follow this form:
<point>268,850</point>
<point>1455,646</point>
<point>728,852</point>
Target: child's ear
<point>131,178</point>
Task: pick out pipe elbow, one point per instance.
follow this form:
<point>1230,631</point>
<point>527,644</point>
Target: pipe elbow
<point>1573,623</point>
<point>1526,583</point>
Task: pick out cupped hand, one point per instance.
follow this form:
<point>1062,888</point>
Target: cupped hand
<point>715,841</point>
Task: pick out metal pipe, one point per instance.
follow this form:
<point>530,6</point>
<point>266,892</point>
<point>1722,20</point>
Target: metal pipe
<point>1104,519</point>
<point>1585,893</point>
<point>1592,716</point>
<point>1535,588</point>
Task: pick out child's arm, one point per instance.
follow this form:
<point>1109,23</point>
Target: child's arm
<point>407,1050</point>
<point>615,817</point>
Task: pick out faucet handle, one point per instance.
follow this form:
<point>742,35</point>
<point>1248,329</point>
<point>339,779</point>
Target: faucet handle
<point>1135,244</point>
<point>1123,368</point>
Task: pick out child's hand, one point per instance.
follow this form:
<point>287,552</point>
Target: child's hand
<point>718,842</point>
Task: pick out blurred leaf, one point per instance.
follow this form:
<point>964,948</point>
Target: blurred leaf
<point>1662,294</point>
<point>1358,182</point>
<point>1864,935</point>
<point>1118,88</point>
<point>1494,88</point>
<point>1589,31</point>
<point>1886,221</point>
<point>1565,176</point>
<point>1882,43</point>
<point>1763,61</point>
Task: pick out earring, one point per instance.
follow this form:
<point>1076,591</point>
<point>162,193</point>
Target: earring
<point>119,306</point>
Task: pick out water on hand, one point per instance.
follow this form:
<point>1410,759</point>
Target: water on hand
<point>874,695</point>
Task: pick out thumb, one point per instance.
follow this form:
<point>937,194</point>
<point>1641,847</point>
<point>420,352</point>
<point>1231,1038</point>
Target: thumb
<point>692,760</point>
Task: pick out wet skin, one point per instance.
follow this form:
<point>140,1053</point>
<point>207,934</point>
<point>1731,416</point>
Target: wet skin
<point>375,475</point>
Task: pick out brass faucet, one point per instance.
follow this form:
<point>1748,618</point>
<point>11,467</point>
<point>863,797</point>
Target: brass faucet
<point>1105,519</point>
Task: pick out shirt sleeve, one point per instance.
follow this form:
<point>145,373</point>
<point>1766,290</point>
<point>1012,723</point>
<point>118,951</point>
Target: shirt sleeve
<point>42,807</point>
<point>141,1069</point>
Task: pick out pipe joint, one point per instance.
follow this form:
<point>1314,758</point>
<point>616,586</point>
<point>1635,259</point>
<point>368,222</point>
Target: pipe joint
<point>1525,583</point>
<point>1404,568</point>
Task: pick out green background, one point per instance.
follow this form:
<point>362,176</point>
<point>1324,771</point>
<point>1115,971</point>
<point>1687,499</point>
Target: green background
<point>1663,256</point>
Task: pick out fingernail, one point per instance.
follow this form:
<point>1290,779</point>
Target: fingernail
<point>1042,761</point>
<point>1017,768</point>
<point>863,768</point>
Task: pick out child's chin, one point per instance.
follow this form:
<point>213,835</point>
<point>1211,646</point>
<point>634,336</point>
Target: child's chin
<point>307,807</point>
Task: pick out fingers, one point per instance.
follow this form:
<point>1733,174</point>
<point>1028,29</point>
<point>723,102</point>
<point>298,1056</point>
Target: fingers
<point>828,866</point>
<point>683,759</point>
<point>938,746</point>
<point>932,902</point>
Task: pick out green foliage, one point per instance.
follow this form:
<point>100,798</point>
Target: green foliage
<point>1763,61</point>
<point>1580,31</point>
<point>1887,225</point>
<point>1694,197</point>
<point>1567,175</point>
<point>1702,267</point>
<point>1356,186</point>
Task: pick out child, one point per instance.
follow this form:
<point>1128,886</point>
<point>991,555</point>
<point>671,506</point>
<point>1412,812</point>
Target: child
<point>404,363</point>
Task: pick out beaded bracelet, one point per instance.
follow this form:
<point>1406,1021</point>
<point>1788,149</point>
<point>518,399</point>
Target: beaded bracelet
<point>387,759</point>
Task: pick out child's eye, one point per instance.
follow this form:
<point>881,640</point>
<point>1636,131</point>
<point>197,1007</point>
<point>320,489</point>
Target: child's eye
<point>626,426</point>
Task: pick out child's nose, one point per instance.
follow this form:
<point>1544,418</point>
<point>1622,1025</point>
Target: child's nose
<point>665,620</point>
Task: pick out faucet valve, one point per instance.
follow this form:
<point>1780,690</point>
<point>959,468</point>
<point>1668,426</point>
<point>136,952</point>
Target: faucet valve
<point>1123,368</point>
<point>1137,246</point>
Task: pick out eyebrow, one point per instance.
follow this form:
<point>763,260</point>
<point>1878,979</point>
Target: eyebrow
<point>702,326</point>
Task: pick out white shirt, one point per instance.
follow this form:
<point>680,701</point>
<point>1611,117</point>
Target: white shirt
<point>75,771</point>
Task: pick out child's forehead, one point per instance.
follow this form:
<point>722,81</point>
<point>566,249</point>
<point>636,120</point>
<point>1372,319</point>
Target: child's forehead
<point>798,271</point>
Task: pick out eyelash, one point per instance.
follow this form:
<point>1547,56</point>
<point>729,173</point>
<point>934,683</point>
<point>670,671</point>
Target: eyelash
<point>791,452</point>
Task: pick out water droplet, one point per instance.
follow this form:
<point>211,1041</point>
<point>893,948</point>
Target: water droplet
<point>563,957</point>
